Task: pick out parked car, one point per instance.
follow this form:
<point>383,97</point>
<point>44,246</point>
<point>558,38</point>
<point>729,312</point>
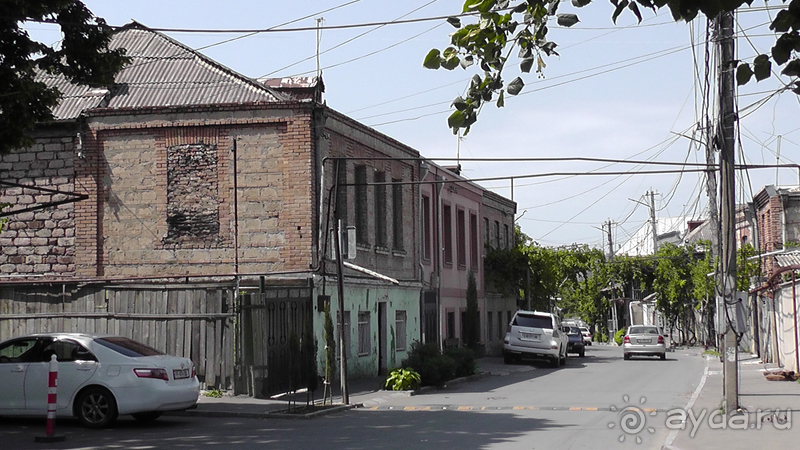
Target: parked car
<point>535,335</point>
<point>100,376</point>
<point>644,340</point>
<point>575,343</point>
<point>587,335</point>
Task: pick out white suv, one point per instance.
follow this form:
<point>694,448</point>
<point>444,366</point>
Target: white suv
<point>536,335</point>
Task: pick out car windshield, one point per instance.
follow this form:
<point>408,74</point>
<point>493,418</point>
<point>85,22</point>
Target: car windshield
<point>574,330</point>
<point>643,330</point>
<point>127,347</point>
<point>533,321</point>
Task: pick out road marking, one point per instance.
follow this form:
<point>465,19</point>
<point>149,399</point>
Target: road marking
<point>674,433</point>
<point>505,408</point>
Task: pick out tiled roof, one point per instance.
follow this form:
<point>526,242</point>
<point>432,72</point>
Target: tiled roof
<point>163,72</point>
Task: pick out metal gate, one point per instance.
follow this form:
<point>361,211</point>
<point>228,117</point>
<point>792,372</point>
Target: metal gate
<point>430,316</point>
<point>273,326</point>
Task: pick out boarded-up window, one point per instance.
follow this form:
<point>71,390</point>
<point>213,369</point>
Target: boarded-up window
<point>400,330</point>
<point>380,209</point>
<point>364,334</point>
<point>362,226</point>
<point>192,194</point>
<point>397,213</point>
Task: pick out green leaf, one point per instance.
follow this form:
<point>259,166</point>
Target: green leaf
<point>433,60</point>
<point>515,86</point>
<point>471,5</point>
<point>743,74</point>
<point>454,21</point>
<point>580,3</point>
<point>782,50</point>
<point>519,8</point>
<point>456,120</point>
<point>526,64</point>
<point>501,100</point>
<point>783,21</point>
<point>467,61</point>
<point>762,67</point>
<point>459,103</point>
<point>567,20</point>
<point>792,69</point>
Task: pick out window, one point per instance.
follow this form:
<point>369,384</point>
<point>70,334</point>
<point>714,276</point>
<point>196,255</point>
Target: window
<point>473,240</point>
<point>501,326</point>
<point>400,330</point>
<point>341,196</point>
<point>486,232</point>
<point>380,209</point>
<point>364,334</point>
<point>489,322</point>
<point>507,239</point>
<point>192,195</point>
<point>461,238</point>
<point>426,226</point>
<point>397,213</point>
<point>447,234</point>
<point>451,324</point>
<point>362,226</point>
<point>496,234</point>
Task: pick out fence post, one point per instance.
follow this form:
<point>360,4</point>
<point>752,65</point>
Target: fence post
<point>52,388</point>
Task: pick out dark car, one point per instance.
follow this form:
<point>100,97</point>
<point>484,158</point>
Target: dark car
<point>575,343</point>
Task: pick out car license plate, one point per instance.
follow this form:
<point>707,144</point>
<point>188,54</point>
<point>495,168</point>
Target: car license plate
<point>644,341</point>
<point>534,336</point>
<point>180,374</point>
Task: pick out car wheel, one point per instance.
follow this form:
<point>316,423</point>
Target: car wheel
<point>663,356</point>
<point>96,408</point>
<point>555,362</point>
<point>147,416</point>
<point>507,358</point>
<point>583,353</point>
<point>626,357</point>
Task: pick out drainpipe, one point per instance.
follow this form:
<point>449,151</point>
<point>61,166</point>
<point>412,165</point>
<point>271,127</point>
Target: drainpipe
<point>235,218</point>
<point>794,316</point>
<point>422,171</point>
<point>439,185</point>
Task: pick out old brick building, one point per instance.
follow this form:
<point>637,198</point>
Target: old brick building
<point>185,185</point>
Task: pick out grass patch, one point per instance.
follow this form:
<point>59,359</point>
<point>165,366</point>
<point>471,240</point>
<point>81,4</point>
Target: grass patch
<point>712,353</point>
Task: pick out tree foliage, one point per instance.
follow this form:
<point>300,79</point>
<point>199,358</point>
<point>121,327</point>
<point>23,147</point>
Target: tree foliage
<point>505,26</point>
<point>83,57</point>
<point>472,327</point>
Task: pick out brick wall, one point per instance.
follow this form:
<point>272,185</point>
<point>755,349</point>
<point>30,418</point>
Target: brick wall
<point>38,242</point>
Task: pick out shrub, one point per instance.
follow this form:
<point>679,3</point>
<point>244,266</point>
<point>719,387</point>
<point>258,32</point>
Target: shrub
<point>403,380</point>
<point>618,336</point>
<point>433,367</point>
<point>600,337</point>
<point>464,359</point>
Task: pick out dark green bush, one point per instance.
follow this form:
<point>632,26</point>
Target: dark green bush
<point>464,359</point>
<point>433,367</point>
<point>618,336</point>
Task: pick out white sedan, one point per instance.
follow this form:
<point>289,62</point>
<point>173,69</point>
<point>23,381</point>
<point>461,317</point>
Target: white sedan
<point>100,376</point>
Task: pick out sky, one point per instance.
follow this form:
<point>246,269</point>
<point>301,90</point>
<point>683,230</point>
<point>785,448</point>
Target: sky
<point>624,91</point>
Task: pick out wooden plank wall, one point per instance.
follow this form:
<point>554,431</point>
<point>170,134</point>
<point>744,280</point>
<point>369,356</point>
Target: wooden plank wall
<point>194,322</point>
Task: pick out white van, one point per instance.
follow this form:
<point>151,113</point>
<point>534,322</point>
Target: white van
<point>535,335</point>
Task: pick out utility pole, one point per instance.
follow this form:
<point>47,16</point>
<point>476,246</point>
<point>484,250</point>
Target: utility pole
<point>727,141</point>
<point>653,221</point>
<point>610,243</point>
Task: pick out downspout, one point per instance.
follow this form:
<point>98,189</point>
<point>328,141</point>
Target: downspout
<point>794,316</point>
<point>439,250</point>
<point>422,172</point>
<point>235,217</point>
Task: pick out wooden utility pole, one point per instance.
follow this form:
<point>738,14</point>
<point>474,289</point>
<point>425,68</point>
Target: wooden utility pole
<point>653,221</point>
<point>726,140</point>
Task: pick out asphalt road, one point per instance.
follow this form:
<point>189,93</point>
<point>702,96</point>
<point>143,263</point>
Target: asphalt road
<point>579,406</point>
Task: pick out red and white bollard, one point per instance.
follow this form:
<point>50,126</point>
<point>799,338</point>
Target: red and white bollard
<point>52,405</point>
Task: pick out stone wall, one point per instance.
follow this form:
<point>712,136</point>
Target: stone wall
<point>38,242</point>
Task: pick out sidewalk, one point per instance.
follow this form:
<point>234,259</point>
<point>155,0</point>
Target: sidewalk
<point>362,392</point>
<point>766,421</point>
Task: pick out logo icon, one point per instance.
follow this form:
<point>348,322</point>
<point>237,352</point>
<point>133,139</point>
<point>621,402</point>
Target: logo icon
<point>632,419</point>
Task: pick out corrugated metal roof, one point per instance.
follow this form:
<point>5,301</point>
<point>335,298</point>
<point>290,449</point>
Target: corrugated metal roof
<point>163,72</point>
<point>788,259</point>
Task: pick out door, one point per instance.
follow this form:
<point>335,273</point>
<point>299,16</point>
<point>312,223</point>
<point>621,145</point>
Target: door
<point>14,361</point>
<point>76,365</point>
<point>383,366</point>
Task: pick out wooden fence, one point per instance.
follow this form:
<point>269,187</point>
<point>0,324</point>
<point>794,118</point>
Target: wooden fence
<point>195,321</point>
